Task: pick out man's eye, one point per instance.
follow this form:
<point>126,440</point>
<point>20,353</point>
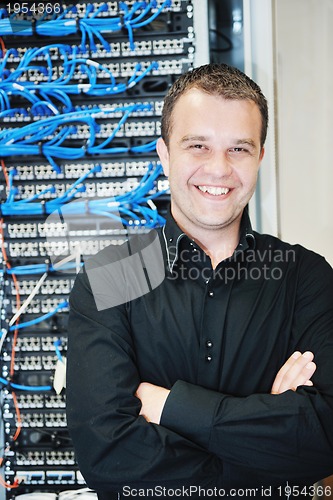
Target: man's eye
<point>238,150</point>
<point>197,146</point>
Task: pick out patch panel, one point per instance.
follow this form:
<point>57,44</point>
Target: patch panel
<point>138,168</point>
<point>31,477</point>
<point>31,363</point>
<point>165,66</point>
<point>108,169</point>
<point>71,170</point>
<point>55,401</point>
<point>28,344</point>
<point>28,363</point>
<point>61,477</point>
<point>140,89</point>
<point>96,188</point>
<point>114,8</point>
<point>23,249</point>
<point>43,420</point>
<point>30,458</point>
<point>41,305</point>
<point>166,46</point>
<point>52,286</point>
<point>147,128</point>
<point>66,457</point>
<point>36,344</point>
<point>140,47</point>
<point>57,248</point>
<point>20,230</point>
<point>34,401</point>
<point>30,401</point>
<point>48,477</point>
<point>83,228</point>
<point>34,229</point>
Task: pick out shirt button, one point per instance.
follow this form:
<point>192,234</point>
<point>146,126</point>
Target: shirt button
<point>211,294</point>
<point>209,358</point>
<point>209,343</point>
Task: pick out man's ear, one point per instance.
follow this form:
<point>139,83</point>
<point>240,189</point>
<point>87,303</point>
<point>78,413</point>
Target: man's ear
<point>163,153</point>
<point>262,154</point>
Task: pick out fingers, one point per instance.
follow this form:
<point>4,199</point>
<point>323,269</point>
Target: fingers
<point>296,371</point>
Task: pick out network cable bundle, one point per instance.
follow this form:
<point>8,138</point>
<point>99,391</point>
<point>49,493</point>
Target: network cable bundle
<point>81,92</point>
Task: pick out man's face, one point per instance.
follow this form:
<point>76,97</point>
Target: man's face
<point>212,160</point>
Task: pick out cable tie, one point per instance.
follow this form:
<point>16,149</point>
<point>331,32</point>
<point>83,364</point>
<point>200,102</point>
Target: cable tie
<point>40,148</point>
<point>48,266</point>
<point>77,24</point>
<point>43,205</point>
<point>122,21</point>
<point>34,26</point>
<point>86,206</point>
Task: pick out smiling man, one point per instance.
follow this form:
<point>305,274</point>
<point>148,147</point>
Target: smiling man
<point>212,159</point>
<point>205,385</point>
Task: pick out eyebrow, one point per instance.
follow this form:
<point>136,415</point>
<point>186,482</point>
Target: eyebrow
<point>202,138</point>
<point>249,142</point>
<point>191,138</point>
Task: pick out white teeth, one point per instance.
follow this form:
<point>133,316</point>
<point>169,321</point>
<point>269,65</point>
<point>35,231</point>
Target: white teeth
<point>214,190</point>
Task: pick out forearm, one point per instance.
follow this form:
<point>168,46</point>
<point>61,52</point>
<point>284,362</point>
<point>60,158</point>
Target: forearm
<point>287,435</point>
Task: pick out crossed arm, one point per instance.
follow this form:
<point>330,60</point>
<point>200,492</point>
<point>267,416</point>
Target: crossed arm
<point>296,371</point>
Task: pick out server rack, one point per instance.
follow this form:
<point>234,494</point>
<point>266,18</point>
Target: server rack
<point>81,89</point>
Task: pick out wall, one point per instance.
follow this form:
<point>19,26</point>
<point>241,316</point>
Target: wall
<point>304,65</point>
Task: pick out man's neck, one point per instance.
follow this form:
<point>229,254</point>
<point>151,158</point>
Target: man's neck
<point>218,244</point>
<point>219,248</point>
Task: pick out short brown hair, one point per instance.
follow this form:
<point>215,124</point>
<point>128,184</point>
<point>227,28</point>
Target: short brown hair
<point>216,79</point>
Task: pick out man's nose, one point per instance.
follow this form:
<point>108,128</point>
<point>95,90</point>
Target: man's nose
<point>218,165</point>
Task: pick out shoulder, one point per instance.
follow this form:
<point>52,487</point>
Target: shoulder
<point>301,253</point>
<point>309,266</point>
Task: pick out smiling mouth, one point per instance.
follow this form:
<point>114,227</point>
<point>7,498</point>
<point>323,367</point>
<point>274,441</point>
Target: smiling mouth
<point>214,190</point>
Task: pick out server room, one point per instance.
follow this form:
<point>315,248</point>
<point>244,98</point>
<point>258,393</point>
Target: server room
<point>166,232</point>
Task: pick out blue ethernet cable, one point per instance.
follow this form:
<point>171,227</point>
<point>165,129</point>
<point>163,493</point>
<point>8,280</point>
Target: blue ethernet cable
<point>133,204</point>
<point>135,197</point>
<point>31,269</point>
<point>97,26</point>
<point>60,89</point>
<point>65,198</point>
<point>136,24</point>
<point>38,388</point>
<point>30,139</point>
<point>57,344</point>
<point>40,319</point>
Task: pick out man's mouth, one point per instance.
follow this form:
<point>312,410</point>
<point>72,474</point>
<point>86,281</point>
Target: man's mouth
<point>214,190</point>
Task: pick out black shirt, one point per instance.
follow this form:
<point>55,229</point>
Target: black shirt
<point>217,339</point>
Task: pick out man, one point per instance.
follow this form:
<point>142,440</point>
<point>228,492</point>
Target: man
<point>179,391</point>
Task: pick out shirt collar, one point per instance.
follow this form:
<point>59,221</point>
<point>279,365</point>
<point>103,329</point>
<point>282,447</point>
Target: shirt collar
<point>172,235</point>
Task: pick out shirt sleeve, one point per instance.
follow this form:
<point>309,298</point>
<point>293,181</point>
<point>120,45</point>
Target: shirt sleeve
<point>115,446</point>
<point>289,435</point>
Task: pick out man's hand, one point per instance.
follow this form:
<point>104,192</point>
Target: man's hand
<point>153,399</point>
<point>297,370</point>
